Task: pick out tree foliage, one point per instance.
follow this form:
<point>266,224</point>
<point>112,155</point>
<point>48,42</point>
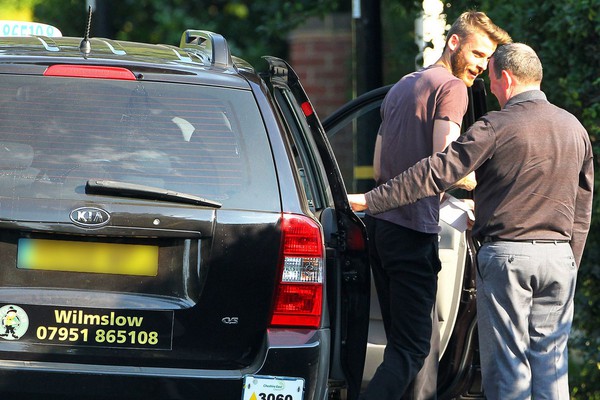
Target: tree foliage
<point>566,36</point>
<point>398,33</point>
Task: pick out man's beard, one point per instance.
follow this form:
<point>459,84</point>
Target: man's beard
<point>459,66</point>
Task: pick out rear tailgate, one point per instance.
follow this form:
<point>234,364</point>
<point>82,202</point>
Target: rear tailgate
<point>139,224</point>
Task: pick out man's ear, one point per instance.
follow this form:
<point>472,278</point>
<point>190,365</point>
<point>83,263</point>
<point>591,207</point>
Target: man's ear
<point>507,78</point>
<point>453,42</point>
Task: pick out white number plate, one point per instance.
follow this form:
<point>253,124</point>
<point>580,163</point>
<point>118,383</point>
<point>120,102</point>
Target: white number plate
<point>272,388</point>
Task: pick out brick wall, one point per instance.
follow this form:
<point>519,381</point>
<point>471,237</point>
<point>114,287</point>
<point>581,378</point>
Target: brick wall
<point>321,54</point>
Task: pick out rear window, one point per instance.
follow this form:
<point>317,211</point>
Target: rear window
<point>57,133</point>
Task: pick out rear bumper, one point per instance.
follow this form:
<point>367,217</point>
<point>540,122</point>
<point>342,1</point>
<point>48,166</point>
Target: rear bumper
<point>298,354</point>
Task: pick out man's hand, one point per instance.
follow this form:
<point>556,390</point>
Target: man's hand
<point>467,183</point>
<point>358,202</point>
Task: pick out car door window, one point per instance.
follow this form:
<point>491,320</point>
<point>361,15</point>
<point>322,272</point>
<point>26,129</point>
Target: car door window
<point>352,131</point>
<point>306,160</point>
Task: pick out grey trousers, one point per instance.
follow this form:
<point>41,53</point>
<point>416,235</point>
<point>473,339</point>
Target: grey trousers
<point>524,310</point>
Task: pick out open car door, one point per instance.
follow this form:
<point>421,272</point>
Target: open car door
<point>347,268</point>
<point>459,374</point>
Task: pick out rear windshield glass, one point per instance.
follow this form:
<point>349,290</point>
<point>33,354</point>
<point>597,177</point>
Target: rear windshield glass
<point>57,133</point>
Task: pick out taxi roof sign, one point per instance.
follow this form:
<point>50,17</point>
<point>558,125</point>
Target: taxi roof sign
<point>25,28</point>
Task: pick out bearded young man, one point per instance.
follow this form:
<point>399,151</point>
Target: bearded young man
<point>421,115</point>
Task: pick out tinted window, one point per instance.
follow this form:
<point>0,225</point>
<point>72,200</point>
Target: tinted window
<point>56,133</point>
<point>306,161</point>
<point>353,140</point>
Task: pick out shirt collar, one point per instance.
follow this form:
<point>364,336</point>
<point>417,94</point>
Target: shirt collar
<point>526,96</point>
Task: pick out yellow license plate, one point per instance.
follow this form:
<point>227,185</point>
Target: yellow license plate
<point>90,257</point>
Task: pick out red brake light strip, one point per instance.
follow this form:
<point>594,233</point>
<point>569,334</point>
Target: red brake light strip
<point>89,71</point>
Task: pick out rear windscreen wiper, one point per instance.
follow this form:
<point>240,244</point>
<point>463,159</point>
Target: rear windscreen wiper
<point>126,189</point>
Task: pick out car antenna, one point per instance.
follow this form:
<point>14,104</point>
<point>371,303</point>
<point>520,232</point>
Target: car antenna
<point>85,47</point>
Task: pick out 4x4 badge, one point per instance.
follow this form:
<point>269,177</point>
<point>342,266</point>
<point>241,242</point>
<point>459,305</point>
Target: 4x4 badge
<point>90,217</point>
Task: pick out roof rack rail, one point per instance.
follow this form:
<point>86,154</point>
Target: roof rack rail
<point>210,43</point>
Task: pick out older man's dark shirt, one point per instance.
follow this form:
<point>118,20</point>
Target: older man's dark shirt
<point>534,169</point>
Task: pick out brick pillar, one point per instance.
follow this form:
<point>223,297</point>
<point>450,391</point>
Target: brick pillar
<point>321,55</point>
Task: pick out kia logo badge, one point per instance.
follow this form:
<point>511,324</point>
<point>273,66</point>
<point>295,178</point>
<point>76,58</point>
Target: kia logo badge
<point>90,217</point>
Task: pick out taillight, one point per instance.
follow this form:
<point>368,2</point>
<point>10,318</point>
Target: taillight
<point>299,293</point>
<point>89,71</point>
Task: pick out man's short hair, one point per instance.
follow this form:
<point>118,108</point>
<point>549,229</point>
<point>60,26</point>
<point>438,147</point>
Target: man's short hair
<point>521,60</point>
<point>474,22</point>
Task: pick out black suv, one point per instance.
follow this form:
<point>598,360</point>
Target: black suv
<point>173,225</point>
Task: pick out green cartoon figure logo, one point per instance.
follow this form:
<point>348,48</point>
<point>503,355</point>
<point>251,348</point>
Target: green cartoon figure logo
<point>14,322</point>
